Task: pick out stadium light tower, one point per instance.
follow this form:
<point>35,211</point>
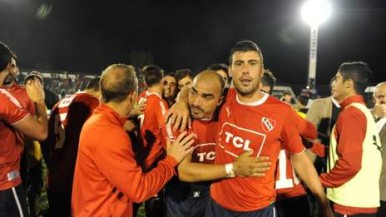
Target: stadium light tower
<point>314,13</point>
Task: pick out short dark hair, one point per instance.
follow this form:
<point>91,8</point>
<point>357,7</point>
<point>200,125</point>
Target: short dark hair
<point>171,74</point>
<point>153,74</point>
<point>245,46</point>
<point>5,56</point>
<point>268,79</point>
<point>359,72</point>
<point>117,86</point>
<point>219,67</point>
<point>182,73</point>
<point>93,84</point>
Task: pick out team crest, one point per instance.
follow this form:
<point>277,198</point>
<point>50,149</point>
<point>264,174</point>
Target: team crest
<point>267,124</point>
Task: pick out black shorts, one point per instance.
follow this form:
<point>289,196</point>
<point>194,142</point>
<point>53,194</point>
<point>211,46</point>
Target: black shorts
<point>215,210</point>
<point>191,205</point>
<point>13,202</point>
<point>294,207</point>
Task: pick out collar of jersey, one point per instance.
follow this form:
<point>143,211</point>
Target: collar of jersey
<point>149,94</point>
<point>256,103</point>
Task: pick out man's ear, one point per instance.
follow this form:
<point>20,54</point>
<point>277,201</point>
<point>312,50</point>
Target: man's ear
<point>349,83</point>
<point>230,71</point>
<point>134,96</point>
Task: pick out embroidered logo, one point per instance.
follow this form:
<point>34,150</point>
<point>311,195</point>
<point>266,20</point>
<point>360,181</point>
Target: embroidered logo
<point>267,124</point>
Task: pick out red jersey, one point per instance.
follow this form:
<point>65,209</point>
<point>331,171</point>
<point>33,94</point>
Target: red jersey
<point>65,123</point>
<point>21,95</point>
<point>205,142</point>
<point>11,113</point>
<point>143,94</point>
<point>263,127</point>
<point>152,121</point>
<point>287,183</point>
<point>204,152</point>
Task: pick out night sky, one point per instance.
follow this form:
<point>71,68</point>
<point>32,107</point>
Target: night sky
<point>87,35</point>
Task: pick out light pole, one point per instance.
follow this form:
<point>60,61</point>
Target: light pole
<point>314,13</point>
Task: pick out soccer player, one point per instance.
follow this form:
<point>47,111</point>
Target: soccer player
<point>292,199</point>
<point>184,79</point>
<point>153,118</point>
<point>170,88</point>
<point>151,122</point>
<point>222,70</point>
<point>253,121</point>
<point>14,117</point>
<point>61,146</point>
<point>354,156</point>
<point>190,200</point>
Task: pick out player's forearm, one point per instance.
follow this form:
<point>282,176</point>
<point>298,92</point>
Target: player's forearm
<point>307,173</point>
<point>41,117</point>
<point>195,172</point>
<point>182,96</point>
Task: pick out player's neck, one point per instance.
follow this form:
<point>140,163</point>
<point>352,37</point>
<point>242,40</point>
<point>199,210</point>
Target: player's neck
<point>250,98</point>
<point>155,89</point>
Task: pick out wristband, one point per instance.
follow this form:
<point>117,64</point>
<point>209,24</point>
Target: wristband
<point>230,173</point>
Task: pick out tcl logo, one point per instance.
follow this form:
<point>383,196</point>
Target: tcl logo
<point>236,140</point>
<point>206,156</point>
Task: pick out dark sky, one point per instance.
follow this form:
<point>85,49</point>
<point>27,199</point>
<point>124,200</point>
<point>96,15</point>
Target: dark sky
<point>88,35</point>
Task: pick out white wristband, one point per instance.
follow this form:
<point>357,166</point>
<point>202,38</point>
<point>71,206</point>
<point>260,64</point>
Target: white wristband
<point>229,170</point>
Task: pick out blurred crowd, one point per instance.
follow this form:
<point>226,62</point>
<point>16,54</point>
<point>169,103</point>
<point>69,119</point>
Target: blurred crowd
<point>219,142</point>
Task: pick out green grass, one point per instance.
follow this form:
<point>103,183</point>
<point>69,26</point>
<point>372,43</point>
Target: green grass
<point>141,211</point>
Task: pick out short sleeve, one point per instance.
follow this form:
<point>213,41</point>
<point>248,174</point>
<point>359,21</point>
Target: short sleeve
<point>290,134</point>
<point>11,111</point>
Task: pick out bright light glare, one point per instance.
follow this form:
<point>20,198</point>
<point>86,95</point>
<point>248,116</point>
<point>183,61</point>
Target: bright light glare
<point>315,12</point>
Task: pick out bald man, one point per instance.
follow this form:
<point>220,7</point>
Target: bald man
<point>379,111</point>
<point>107,179</point>
<point>190,200</point>
<point>379,95</point>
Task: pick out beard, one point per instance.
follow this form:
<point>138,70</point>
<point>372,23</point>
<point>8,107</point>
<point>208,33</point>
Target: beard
<point>196,111</point>
<point>246,91</point>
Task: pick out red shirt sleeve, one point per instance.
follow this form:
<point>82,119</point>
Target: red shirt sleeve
<point>306,129</point>
<point>319,149</point>
<point>11,111</point>
<point>350,133</point>
<point>290,134</point>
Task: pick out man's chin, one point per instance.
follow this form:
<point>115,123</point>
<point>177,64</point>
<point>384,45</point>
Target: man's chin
<point>196,116</point>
